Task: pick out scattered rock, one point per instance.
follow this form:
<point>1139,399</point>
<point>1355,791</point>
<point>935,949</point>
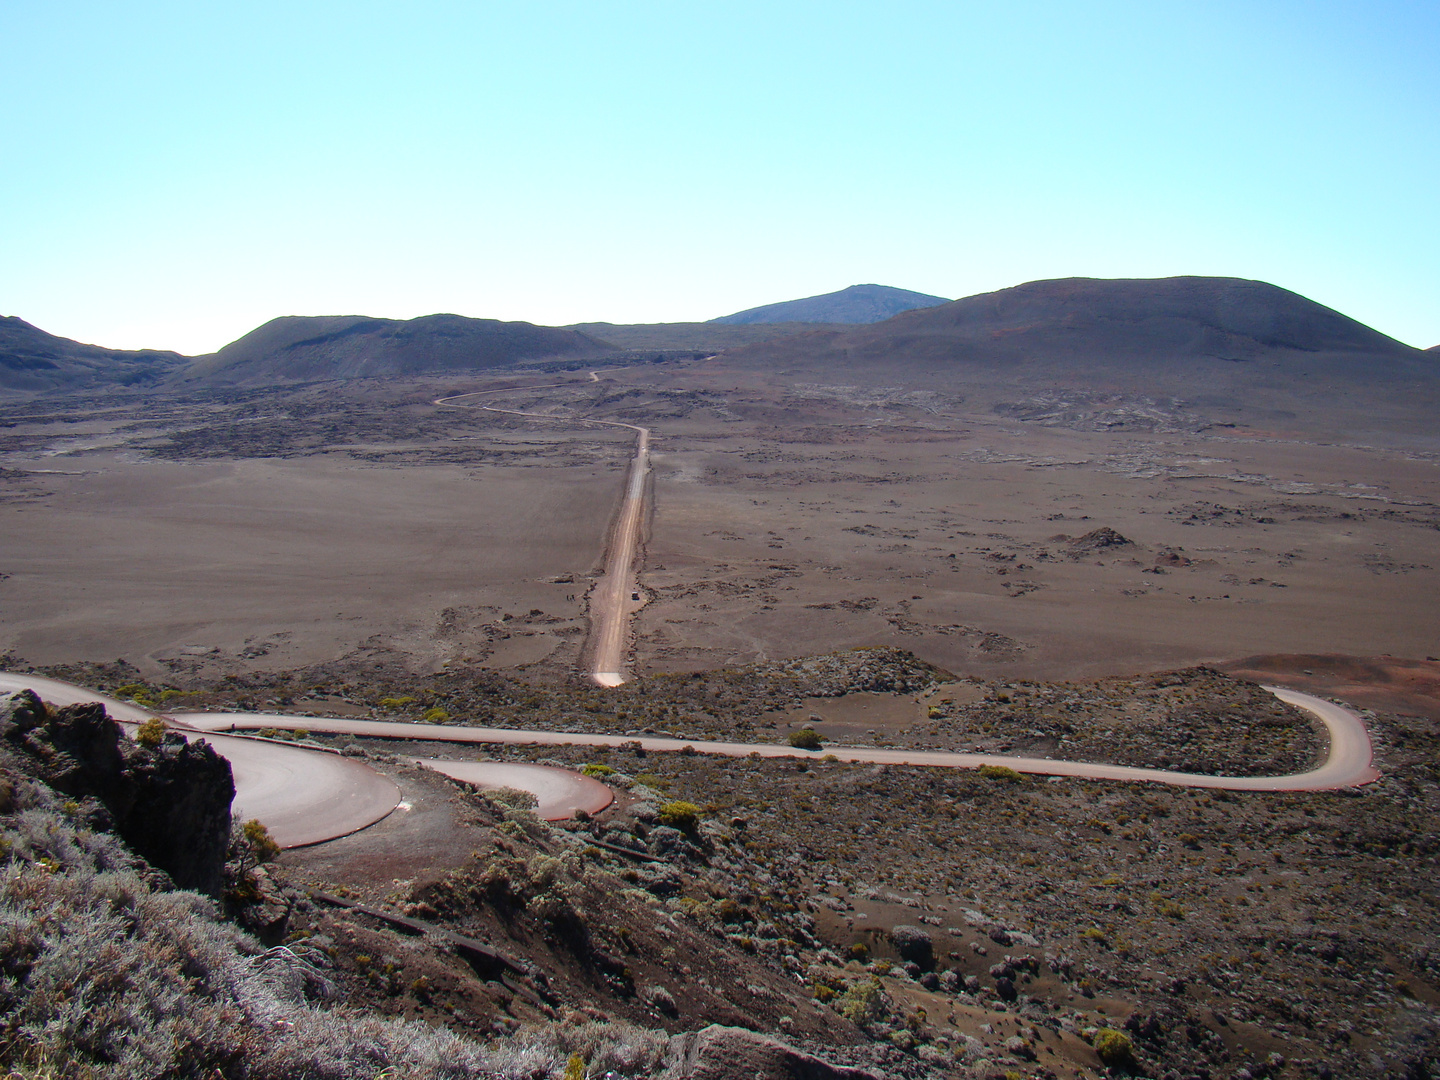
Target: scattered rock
<point>728,1053</point>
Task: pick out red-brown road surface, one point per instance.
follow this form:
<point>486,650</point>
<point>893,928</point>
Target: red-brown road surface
<point>302,796</point>
<point>558,792</point>
<point>1349,763</point>
<point>306,796</point>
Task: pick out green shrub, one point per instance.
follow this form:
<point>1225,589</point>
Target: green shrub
<point>599,772</point>
<point>1000,772</point>
<point>436,715</point>
<point>863,1002</point>
<point>262,845</point>
<point>1114,1048</point>
<point>138,693</point>
<point>396,702</point>
<point>151,733</point>
<point>1167,907</point>
<point>684,816</point>
<point>806,739</point>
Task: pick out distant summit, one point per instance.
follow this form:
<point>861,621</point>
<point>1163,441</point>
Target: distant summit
<point>303,348</point>
<point>1102,324</point>
<point>1218,345</point>
<point>855,305</point>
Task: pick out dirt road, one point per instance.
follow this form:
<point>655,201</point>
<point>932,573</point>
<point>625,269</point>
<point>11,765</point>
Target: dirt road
<point>615,598</point>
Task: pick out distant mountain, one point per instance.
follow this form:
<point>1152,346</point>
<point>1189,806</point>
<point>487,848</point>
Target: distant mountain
<point>1224,345</point>
<point>857,304</point>
<point>301,348</point>
<point>693,337</point>
<point>32,360</point>
<point>1150,320</point>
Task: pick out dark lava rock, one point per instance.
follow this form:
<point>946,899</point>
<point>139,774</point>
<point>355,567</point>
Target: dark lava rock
<point>171,805</point>
<point>914,945</point>
<point>1097,540</point>
<point>728,1053</point>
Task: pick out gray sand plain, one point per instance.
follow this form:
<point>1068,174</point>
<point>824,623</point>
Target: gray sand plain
<point>281,528</point>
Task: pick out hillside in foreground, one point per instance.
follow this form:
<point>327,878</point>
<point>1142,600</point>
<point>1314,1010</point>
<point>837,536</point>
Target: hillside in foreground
<point>918,923</point>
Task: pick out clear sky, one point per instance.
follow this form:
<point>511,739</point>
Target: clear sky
<point>174,174</point>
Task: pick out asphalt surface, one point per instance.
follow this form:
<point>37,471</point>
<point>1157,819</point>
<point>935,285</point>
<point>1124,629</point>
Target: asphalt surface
<point>304,796</point>
<point>309,796</point>
<point>1349,763</point>
<point>559,792</point>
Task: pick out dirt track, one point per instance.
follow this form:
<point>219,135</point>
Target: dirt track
<point>613,599</point>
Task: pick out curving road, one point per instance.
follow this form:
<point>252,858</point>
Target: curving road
<point>308,796</point>
<point>558,792</point>
<point>1349,763</point>
<point>302,796</point>
<point>615,596</point>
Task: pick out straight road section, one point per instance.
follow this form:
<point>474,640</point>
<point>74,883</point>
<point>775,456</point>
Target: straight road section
<point>615,597</point>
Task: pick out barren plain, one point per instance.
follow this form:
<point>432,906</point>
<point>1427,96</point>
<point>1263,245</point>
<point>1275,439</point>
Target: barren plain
<point>1041,538</point>
<point>1033,570</point>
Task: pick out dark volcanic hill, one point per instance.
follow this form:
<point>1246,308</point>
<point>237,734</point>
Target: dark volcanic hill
<point>857,304</point>
<point>1222,350</point>
<point>695,337</point>
<point>32,360</point>
<point>299,348</point>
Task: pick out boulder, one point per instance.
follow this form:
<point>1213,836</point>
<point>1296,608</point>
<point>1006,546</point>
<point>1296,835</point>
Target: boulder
<point>914,945</point>
<point>728,1053</point>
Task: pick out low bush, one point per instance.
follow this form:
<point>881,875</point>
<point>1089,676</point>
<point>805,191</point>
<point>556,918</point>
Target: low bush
<point>806,739</point>
<point>1000,772</point>
<point>684,816</point>
<point>151,733</point>
<point>1114,1048</point>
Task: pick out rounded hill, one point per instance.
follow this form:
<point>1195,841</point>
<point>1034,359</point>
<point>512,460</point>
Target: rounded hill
<point>302,348</point>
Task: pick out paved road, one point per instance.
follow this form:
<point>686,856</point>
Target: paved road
<point>615,596</point>
<point>61,693</point>
<point>1349,763</point>
<point>559,792</point>
<point>302,796</point>
<point>308,796</point>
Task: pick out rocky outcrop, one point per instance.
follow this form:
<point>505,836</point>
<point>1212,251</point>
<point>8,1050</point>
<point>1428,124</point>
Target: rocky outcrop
<point>730,1053</point>
<point>170,804</point>
<point>914,945</point>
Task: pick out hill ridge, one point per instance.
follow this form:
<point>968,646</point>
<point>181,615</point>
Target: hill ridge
<point>857,304</point>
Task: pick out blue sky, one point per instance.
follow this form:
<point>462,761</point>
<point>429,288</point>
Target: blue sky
<point>175,174</point>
